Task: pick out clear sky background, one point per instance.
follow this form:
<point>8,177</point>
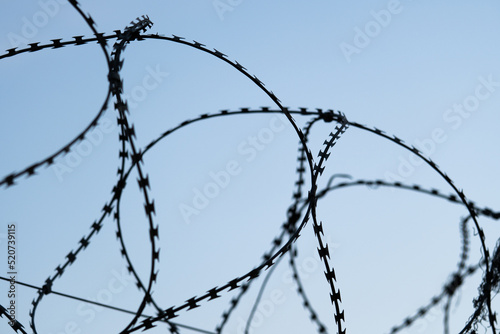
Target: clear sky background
<point>404,67</point>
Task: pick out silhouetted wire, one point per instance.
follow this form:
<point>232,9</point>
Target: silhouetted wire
<point>103,305</point>
<point>491,277</point>
<point>259,295</point>
<point>127,135</point>
<point>48,283</point>
<point>293,219</point>
<point>309,156</point>
<point>446,318</point>
<point>289,227</point>
<point>487,212</point>
<point>31,170</point>
<point>460,193</point>
<point>487,283</point>
<point>458,277</point>
<point>413,189</point>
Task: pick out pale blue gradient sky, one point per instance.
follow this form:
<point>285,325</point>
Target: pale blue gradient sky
<point>392,250</point>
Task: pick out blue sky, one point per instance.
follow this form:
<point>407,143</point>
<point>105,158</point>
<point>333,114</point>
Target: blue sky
<point>424,71</point>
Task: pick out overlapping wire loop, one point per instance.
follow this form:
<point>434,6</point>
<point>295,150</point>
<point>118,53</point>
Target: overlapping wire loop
<point>301,210</point>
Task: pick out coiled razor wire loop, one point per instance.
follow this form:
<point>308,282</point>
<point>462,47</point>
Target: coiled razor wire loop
<point>360,182</point>
<point>284,242</point>
<point>416,188</point>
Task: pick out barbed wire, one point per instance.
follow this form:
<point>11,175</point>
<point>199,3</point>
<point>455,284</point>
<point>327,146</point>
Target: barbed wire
<point>302,209</point>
